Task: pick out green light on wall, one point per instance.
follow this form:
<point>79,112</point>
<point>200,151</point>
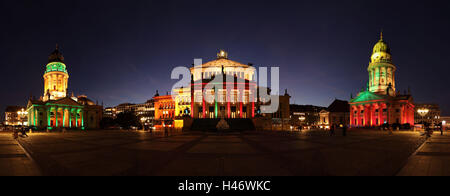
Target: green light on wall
<point>216,110</point>
<point>56,66</point>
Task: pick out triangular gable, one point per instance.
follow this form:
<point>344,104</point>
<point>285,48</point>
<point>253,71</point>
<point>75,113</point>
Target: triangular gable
<point>29,104</point>
<point>324,111</point>
<point>65,101</point>
<point>367,96</point>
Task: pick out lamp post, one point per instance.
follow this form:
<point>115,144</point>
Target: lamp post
<point>21,114</point>
<point>423,112</point>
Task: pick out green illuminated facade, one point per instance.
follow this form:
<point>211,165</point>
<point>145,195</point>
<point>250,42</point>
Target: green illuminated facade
<point>55,110</point>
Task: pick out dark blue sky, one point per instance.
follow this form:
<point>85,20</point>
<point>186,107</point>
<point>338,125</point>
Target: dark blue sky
<point>123,51</point>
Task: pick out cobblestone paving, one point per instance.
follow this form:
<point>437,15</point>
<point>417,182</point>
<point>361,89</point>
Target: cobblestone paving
<point>13,159</point>
<point>432,159</point>
<point>198,154</point>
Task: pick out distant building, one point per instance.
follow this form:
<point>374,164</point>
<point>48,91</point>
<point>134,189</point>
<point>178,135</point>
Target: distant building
<point>144,111</point>
<point>338,113</point>
<point>165,111</point>
<point>380,103</point>
<point>445,120</point>
<point>428,113</point>
<point>109,112</point>
<point>16,116</point>
<point>56,109</point>
<point>305,115</point>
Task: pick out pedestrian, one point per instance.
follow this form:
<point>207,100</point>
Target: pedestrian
<point>332,130</point>
<point>344,130</point>
<point>442,130</point>
<point>24,132</point>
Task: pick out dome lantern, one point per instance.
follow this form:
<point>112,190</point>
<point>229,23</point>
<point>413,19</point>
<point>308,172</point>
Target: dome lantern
<point>222,54</point>
<point>56,56</point>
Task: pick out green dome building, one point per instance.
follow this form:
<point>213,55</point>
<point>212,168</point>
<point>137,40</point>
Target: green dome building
<point>380,104</point>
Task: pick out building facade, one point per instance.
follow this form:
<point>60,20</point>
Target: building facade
<point>229,87</point>
<point>337,114</point>
<point>380,103</point>
<point>428,113</point>
<point>16,116</point>
<point>144,111</point>
<point>219,89</point>
<point>56,109</point>
<point>305,115</point>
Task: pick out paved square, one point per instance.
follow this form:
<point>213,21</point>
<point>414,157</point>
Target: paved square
<point>105,153</point>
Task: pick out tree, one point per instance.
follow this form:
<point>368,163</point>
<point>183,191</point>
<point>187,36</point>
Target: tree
<point>107,122</point>
<point>126,120</point>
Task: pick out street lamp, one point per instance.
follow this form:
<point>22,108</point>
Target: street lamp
<point>423,112</point>
<point>21,114</point>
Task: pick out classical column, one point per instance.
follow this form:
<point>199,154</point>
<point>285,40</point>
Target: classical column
<point>70,117</point>
<point>204,107</point>
<point>56,117</point>
<point>373,113</point>
<point>252,99</point>
<point>192,99</point>
<point>76,118</point>
<point>366,115</point>
<point>351,115</point>
<point>35,116</point>
<point>64,117</point>
<point>82,119</point>
<point>358,113</point>
<point>240,99</point>
<point>49,116</point>
<point>228,103</point>
<point>216,109</point>
<point>240,110</point>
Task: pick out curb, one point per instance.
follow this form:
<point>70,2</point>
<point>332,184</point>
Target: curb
<point>412,155</point>
<point>29,153</point>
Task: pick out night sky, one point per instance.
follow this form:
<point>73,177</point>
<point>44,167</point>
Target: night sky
<point>123,51</point>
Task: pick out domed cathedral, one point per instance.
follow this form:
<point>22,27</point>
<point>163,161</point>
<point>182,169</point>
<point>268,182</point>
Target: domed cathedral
<point>380,104</point>
<point>55,109</point>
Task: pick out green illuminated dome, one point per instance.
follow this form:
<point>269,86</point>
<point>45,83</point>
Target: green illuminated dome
<point>56,62</point>
<point>381,46</point>
<point>56,56</point>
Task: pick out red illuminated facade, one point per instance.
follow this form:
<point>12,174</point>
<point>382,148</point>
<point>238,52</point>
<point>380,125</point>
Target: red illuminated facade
<point>380,103</point>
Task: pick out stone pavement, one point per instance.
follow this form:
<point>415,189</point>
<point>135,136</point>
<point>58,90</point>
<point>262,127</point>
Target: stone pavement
<point>432,159</point>
<point>104,153</point>
<point>13,159</point>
